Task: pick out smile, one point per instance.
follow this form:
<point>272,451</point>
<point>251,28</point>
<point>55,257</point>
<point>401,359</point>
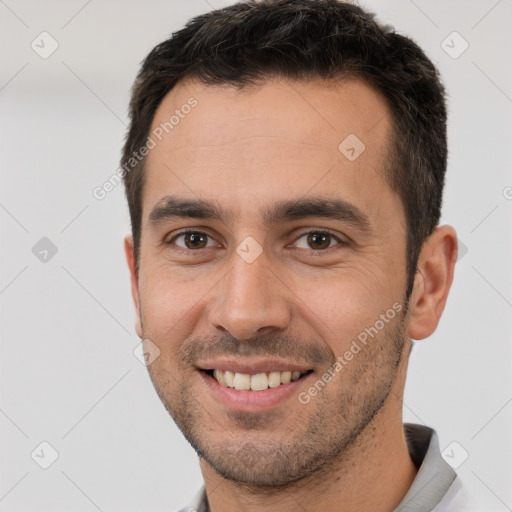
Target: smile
<point>256,381</point>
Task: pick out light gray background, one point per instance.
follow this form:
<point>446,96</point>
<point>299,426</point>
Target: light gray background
<point>68,373</point>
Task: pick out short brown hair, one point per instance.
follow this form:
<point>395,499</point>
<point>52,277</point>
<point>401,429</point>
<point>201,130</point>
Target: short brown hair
<point>248,42</point>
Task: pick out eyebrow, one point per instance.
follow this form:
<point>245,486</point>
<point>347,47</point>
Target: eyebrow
<point>170,207</point>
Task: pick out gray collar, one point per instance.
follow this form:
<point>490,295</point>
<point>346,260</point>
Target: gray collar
<point>434,475</point>
<point>433,479</point>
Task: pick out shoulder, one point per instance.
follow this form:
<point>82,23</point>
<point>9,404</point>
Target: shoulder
<point>457,499</point>
<point>198,503</point>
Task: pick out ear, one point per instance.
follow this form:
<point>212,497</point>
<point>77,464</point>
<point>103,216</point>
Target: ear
<point>130,259</point>
<point>434,276</point>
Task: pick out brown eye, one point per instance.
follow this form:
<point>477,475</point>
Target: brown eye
<point>195,240</point>
<point>318,240</point>
<point>191,240</point>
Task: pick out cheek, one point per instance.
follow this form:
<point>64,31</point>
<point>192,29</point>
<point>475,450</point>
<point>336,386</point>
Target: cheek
<point>168,308</point>
<point>340,307</point>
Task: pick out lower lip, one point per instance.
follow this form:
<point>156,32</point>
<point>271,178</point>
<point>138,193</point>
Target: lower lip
<point>253,401</point>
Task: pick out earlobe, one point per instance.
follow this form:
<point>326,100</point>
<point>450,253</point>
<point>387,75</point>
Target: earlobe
<point>432,283</point>
<point>130,259</point>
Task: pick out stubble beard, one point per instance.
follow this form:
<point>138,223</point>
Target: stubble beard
<point>253,454</point>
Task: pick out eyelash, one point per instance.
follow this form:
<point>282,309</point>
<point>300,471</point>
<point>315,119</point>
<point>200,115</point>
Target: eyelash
<point>341,242</point>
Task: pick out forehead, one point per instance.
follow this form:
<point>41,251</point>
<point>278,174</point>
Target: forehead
<point>281,139</point>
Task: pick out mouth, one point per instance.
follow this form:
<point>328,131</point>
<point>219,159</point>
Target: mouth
<point>260,381</point>
<point>253,385</point>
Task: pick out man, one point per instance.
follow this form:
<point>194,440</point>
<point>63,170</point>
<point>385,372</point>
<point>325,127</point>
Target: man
<point>284,170</point>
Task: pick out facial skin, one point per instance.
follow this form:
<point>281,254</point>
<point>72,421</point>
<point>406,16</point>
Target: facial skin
<point>298,305</point>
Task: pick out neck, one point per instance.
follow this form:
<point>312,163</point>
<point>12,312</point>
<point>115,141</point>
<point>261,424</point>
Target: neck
<point>375,473</point>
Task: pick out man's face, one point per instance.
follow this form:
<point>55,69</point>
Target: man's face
<point>272,287</point>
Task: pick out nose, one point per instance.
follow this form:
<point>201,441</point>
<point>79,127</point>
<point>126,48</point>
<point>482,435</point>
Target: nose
<point>250,300</point>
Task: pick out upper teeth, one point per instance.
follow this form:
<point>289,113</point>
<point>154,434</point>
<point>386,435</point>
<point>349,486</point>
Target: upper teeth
<point>257,382</point>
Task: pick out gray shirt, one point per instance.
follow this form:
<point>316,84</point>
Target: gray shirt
<point>434,477</point>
